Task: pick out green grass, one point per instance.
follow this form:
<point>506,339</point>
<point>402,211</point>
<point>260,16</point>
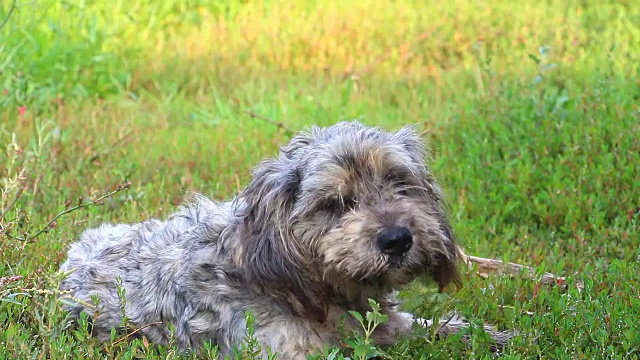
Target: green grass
<point>531,109</point>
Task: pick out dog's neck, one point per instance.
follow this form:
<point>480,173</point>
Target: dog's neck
<point>312,298</point>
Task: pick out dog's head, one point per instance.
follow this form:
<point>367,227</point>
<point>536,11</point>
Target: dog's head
<point>347,204</point>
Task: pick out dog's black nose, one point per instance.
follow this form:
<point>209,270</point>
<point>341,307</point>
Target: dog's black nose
<point>395,240</point>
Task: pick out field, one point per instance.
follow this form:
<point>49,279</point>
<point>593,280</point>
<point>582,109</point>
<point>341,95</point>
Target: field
<point>530,108</point>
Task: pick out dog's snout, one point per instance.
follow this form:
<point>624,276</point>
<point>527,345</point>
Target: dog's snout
<point>395,240</point>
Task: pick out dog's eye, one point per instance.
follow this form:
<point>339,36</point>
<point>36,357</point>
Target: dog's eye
<point>349,202</point>
<point>404,190</point>
<point>399,182</point>
<point>331,205</point>
<point>403,187</point>
<point>336,205</point>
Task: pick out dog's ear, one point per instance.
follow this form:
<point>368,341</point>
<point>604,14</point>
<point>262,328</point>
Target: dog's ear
<point>271,193</point>
<point>265,218</point>
<point>269,254</point>
<point>267,250</point>
<point>444,265</point>
<point>412,143</point>
<point>444,268</point>
<point>298,142</point>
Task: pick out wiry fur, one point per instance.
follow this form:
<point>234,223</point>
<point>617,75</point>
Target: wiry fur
<point>297,248</point>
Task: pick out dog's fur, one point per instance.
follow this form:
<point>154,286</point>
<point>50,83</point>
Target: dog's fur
<point>298,248</point>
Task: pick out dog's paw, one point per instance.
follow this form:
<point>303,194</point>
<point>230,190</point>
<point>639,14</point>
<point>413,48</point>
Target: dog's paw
<point>451,325</point>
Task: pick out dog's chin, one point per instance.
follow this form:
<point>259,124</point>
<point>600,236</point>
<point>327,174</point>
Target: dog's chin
<point>397,272</point>
<point>392,279</point>
<point>403,270</point>
<point>380,269</point>
<point>396,262</point>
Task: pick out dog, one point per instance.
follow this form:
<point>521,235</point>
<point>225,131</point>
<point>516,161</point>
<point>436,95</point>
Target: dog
<point>343,214</point>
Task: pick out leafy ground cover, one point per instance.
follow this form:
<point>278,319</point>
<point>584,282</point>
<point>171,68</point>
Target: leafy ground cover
<point>531,109</point>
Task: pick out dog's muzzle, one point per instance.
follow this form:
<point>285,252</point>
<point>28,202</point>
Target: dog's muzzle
<point>395,240</point>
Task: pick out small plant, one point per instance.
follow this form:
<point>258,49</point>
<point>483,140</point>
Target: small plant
<point>358,343</point>
<point>122,296</point>
<point>543,62</point>
<point>251,348</point>
<point>363,347</point>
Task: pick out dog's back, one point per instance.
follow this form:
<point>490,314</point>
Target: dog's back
<point>157,263</point>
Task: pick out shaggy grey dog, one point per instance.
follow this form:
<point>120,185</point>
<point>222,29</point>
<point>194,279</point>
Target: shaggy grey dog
<point>344,214</point>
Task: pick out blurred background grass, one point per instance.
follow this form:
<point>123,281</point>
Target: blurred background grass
<point>531,109</point>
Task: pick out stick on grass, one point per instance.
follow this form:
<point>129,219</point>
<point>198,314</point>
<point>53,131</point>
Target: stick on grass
<point>498,266</point>
<point>80,205</point>
<point>278,124</point>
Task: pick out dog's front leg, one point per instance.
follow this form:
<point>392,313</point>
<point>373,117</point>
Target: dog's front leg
<point>292,339</point>
<point>398,325</point>
<point>452,324</point>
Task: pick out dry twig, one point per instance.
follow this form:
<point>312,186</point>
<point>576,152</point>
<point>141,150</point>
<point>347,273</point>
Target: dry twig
<point>5,211</point>
<point>106,347</point>
<point>486,265</point>
<point>9,13</point>
<point>278,124</point>
<point>51,224</point>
